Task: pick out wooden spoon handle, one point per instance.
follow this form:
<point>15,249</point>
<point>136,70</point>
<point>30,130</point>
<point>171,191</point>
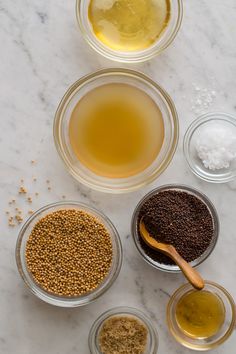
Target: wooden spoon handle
<point>190,273</point>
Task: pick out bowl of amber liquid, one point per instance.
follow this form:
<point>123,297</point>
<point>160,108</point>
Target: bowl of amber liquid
<point>201,320</point>
<point>116,130</point>
<point>129,30</point>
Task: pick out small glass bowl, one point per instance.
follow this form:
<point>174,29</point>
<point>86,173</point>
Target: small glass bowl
<point>152,343</point>
<point>194,162</point>
<point>201,344</point>
<point>163,41</point>
<point>135,233</point>
<point>90,82</point>
<point>57,300</point>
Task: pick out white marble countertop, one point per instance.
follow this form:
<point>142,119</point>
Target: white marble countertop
<point>42,53</point>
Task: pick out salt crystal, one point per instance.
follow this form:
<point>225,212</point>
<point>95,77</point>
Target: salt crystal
<point>216,147</point>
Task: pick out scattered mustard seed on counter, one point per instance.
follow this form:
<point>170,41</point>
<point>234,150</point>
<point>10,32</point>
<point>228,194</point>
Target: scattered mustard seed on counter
<point>123,335</point>
<point>69,252</point>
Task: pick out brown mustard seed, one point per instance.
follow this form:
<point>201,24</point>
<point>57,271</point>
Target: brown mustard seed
<point>180,219</point>
<point>123,335</point>
<point>69,252</point>
<point>29,199</point>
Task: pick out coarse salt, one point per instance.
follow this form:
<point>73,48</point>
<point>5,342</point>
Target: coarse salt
<point>216,146</point>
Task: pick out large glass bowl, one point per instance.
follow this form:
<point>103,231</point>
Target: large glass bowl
<point>202,344</point>
<point>57,300</point>
<point>135,226</point>
<point>165,39</point>
<point>61,130</point>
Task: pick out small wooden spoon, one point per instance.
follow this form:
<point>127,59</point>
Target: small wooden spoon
<point>190,273</point>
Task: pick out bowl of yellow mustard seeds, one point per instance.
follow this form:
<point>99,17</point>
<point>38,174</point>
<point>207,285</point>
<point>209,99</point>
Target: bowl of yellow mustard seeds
<point>129,30</point>
<point>68,254</point>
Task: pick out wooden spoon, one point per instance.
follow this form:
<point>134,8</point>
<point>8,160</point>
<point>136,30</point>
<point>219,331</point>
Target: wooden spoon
<point>190,273</point>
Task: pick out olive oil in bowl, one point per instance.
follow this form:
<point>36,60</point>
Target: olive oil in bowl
<point>129,25</point>
<point>200,314</point>
<point>116,130</point>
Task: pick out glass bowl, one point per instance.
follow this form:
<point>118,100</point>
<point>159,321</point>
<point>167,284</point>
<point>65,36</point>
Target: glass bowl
<point>190,138</point>
<point>163,41</point>
<point>152,343</point>
<point>134,227</point>
<point>57,300</point>
<point>88,83</point>
<point>201,344</point>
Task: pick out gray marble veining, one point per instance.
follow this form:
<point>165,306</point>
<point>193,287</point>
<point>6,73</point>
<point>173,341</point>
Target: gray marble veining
<point>42,53</point>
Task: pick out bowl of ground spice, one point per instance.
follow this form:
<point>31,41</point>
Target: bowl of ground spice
<point>123,330</point>
<point>68,254</point>
<point>181,216</point>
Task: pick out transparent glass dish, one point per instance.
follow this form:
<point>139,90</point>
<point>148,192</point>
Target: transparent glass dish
<point>57,300</point>
<point>202,344</point>
<point>61,130</point>
<point>152,343</point>
<point>195,164</point>
<point>192,191</point>
<point>165,39</point>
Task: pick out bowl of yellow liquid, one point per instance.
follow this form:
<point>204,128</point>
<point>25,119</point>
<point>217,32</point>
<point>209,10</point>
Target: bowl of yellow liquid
<point>116,130</point>
<point>201,320</point>
<point>129,30</point>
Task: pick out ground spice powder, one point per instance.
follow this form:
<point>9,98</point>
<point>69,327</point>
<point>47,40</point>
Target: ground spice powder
<point>69,252</point>
<point>123,335</point>
<point>180,219</point>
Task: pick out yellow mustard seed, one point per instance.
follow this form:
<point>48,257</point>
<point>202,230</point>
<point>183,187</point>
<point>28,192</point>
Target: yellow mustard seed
<point>22,190</point>
<point>69,252</point>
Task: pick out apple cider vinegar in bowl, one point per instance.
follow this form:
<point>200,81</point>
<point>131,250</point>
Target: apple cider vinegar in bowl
<point>116,130</point>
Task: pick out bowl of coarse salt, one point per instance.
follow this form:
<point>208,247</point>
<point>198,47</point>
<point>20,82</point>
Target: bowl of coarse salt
<point>210,147</point>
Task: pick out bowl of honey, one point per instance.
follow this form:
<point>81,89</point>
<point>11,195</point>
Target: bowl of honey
<point>129,30</point>
<point>201,320</point>
<point>116,130</point>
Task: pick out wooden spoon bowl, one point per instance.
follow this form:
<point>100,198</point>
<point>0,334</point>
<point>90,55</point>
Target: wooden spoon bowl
<point>189,272</point>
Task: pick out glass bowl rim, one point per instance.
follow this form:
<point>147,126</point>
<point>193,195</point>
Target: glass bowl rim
<point>142,55</point>
<point>122,310</point>
<point>193,127</point>
<point>218,342</point>
<point>184,188</point>
<point>62,301</point>
<point>167,101</point>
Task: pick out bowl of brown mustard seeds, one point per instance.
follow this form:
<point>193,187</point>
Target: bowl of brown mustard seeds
<point>178,215</point>
<point>68,254</point>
